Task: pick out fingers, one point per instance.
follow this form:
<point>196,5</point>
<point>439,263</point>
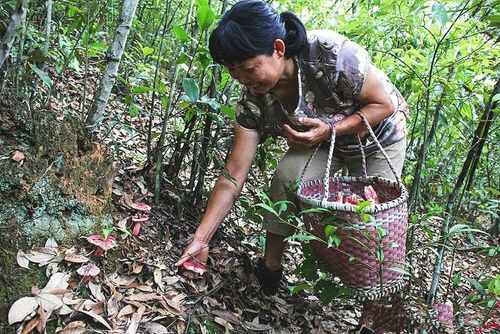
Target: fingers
<point>318,131</point>
<point>310,122</point>
<point>198,252</point>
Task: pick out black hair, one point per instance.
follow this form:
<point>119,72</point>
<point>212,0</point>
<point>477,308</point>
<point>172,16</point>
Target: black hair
<point>250,28</point>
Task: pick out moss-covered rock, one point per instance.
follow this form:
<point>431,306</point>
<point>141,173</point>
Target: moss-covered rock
<point>59,186</point>
<point>62,187</point>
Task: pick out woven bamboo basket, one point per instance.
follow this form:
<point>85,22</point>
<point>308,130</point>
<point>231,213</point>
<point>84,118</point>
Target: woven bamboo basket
<point>370,255</point>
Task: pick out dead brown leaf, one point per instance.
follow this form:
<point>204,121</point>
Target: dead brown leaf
<point>30,325</point>
<point>136,319</point>
<point>96,317</point>
<point>127,310</point>
<point>226,315</point>
<point>144,297</point>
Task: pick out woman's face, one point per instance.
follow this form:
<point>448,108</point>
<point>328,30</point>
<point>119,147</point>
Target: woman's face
<point>260,73</point>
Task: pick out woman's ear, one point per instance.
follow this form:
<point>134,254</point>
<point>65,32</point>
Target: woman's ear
<point>280,47</point>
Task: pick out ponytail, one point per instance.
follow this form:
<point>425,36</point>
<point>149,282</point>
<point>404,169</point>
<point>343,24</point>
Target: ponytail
<point>296,37</point>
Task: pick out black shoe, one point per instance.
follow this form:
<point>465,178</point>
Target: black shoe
<point>269,280</point>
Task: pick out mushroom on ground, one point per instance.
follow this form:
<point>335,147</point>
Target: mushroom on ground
<point>88,271</point>
<point>103,244</point>
<point>140,207</point>
<point>137,223</point>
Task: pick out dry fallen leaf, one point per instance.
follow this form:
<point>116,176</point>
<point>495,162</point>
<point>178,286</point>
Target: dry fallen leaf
<point>95,289</point>
<point>127,310</point>
<point>48,302</point>
<point>39,257</point>
<point>22,261</point>
<point>22,308</point>
<point>96,317</point>
<point>51,243</point>
<point>58,281</point>
<point>136,319</point>
<point>75,258</point>
<point>30,325</point>
<point>226,315</point>
<point>154,328</point>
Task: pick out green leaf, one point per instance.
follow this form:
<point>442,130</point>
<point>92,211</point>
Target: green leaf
<point>298,288</point>
<point>191,88</point>
<point>229,112</point>
<point>267,208</point>
<point>334,239</point>
<point>42,75</point>
<point>146,51</point>
<point>330,230</point>
<point>141,89</point>
<point>439,14</point>
<point>205,17</point>
<point>494,20</point>
<point>381,232</point>
<point>476,284</point>
<point>462,228</point>
<point>133,110</point>
<point>181,34</point>
<point>457,278</point>
<point>301,237</point>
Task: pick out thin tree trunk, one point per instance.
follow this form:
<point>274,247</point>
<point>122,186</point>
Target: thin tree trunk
<point>48,27</point>
<point>115,54</point>
<point>10,34</point>
<point>480,136</point>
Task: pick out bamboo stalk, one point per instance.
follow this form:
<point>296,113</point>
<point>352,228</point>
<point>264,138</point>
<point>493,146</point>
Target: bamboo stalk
<point>114,56</point>
<point>10,34</point>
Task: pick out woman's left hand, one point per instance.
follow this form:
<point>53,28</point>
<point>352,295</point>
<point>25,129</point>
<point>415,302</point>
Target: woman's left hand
<point>317,131</point>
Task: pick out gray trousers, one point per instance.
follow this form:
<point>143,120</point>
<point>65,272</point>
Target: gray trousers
<point>291,166</point>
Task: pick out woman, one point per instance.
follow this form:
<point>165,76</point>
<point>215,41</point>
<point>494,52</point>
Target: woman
<point>298,85</point>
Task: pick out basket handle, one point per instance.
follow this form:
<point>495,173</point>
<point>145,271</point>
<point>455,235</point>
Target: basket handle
<point>326,179</point>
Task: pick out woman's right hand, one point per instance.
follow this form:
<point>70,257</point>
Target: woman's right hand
<point>197,251</point>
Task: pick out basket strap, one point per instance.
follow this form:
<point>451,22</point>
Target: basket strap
<point>326,181</point>
<point>363,157</point>
<point>374,137</point>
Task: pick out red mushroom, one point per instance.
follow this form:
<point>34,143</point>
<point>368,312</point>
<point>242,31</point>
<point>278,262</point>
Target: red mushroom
<point>88,271</point>
<point>371,195</point>
<point>103,244</point>
<point>140,207</point>
<point>137,223</point>
<point>195,267</point>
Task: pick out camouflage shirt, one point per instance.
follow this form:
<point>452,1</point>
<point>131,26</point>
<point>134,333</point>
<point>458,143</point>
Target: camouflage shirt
<point>331,76</point>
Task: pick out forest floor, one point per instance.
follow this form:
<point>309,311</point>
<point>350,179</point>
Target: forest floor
<point>139,290</point>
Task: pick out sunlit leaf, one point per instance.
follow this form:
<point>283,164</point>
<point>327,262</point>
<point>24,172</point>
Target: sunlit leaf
<point>439,14</point>
<point>205,17</point>
<point>181,34</point>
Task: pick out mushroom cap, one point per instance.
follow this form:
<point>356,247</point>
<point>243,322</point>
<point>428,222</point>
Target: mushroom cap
<point>140,206</point>
<point>105,243</point>
<point>195,267</point>
<point>140,219</point>
<point>89,270</point>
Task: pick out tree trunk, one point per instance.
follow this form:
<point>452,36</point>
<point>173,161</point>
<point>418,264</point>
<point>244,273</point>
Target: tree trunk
<point>113,61</point>
<point>48,26</point>
<point>10,34</point>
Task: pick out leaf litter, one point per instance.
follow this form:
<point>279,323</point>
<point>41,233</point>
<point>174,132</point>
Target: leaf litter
<point>139,291</point>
